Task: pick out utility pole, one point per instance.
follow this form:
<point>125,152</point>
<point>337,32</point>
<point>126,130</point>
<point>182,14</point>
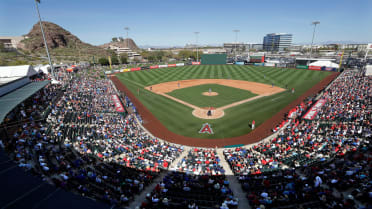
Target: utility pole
<point>127,29</point>
<point>196,45</point>
<point>45,43</point>
<point>236,40</point>
<point>312,40</point>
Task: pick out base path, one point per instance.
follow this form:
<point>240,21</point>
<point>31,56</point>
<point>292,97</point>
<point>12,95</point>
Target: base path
<point>199,112</point>
<point>153,124</point>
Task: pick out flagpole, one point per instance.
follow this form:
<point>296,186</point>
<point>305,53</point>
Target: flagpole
<point>45,43</point>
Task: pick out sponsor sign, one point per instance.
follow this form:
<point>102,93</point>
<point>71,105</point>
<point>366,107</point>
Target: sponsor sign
<point>269,64</point>
<point>302,67</point>
<point>135,69</point>
<point>163,66</point>
<point>180,64</point>
<point>126,70</point>
<point>239,63</point>
<point>310,115</point>
<point>315,68</point>
<point>154,67</point>
<point>108,72</point>
<point>118,106</point>
<point>172,65</point>
<point>195,63</point>
<point>206,129</point>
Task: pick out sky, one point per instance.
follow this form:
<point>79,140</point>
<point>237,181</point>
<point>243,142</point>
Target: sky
<point>173,22</point>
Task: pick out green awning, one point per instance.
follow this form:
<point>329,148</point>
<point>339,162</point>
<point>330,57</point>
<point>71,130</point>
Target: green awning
<point>9,101</point>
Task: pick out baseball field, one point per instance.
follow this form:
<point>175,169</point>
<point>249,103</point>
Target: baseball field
<point>180,97</point>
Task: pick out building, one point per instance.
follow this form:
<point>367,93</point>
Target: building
<point>238,47</point>
<point>213,51</point>
<point>11,42</point>
<point>120,50</point>
<point>277,41</point>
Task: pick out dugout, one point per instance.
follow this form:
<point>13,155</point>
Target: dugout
<point>213,59</point>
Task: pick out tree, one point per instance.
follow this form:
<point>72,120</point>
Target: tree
<point>121,39</point>
<point>103,61</point>
<point>2,47</point>
<point>124,58</point>
<point>114,60</point>
<point>114,39</point>
<point>361,54</point>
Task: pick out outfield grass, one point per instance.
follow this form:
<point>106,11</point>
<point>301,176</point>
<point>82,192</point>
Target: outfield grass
<point>226,95</point>
<point>178,118</point>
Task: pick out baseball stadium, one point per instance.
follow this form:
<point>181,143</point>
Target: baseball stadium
<point>178,123</point>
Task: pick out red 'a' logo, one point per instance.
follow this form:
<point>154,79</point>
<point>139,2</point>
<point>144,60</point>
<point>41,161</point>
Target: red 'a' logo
<point>206,128</point>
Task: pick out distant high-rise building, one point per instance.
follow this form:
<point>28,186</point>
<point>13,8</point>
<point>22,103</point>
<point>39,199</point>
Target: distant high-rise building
<point>277,41</point>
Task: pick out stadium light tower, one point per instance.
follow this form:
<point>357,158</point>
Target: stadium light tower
<point>45,43</point>
<point>127,29</point>
<point>196,45</point>
<point>312,40</point>
<point>236,40</point>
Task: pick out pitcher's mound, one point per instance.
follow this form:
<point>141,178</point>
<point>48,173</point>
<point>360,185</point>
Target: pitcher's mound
<point>202,113</point>
<point>210,94</point>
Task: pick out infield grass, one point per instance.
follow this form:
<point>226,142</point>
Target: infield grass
<point>178,118</point>
<point>226,95</point>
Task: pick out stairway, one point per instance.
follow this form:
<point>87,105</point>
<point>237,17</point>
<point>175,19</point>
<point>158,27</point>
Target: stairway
<point>234,183</point>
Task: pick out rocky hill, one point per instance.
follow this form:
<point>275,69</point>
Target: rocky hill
<point>62,44</point>
<point>125,43</point>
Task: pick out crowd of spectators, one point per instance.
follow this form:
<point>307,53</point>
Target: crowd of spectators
<point>340,127</point>
<point>197,181</point>
<point>200,162</point>
<point>83,144</point>
<point>72,136</point>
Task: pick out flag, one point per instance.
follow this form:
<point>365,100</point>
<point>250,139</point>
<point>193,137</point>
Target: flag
<point>109,59</point>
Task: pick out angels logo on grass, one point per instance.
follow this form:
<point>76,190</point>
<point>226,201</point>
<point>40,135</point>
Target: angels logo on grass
<point>206,128</point>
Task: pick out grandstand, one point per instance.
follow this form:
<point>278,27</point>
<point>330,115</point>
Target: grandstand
<point>68,145</point>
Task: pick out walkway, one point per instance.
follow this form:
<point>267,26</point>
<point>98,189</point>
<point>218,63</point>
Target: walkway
<point>234,183</point>
<point>138,199</point>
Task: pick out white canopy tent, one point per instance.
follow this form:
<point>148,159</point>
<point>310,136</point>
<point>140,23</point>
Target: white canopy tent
<point>17,71</point>
<point>323,63</point>
<point>42,68</point>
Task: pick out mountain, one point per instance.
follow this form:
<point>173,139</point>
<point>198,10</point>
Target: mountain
<point>124,43</point>
<point>62,44</point>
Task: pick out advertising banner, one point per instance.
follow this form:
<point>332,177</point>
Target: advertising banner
<point>126,70</point>
<point>154,67</point>
<point>315,68</point>
<point>180,64</point>
<point>310,115</point>
<point>239,63</point>
<point>163,66</point>
<point>108,72</point>
<point>118,106</point>
<point>302,67</point>
<point>270,64</point>
<point>172,65</point>
<point>195,63</point>
<point>135,69</point>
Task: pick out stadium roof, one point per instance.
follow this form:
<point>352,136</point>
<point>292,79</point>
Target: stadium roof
<point>12,99</point>
<point>10,73</point>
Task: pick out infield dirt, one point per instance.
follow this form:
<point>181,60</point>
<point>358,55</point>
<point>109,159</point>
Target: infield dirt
<point>254,87</point>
